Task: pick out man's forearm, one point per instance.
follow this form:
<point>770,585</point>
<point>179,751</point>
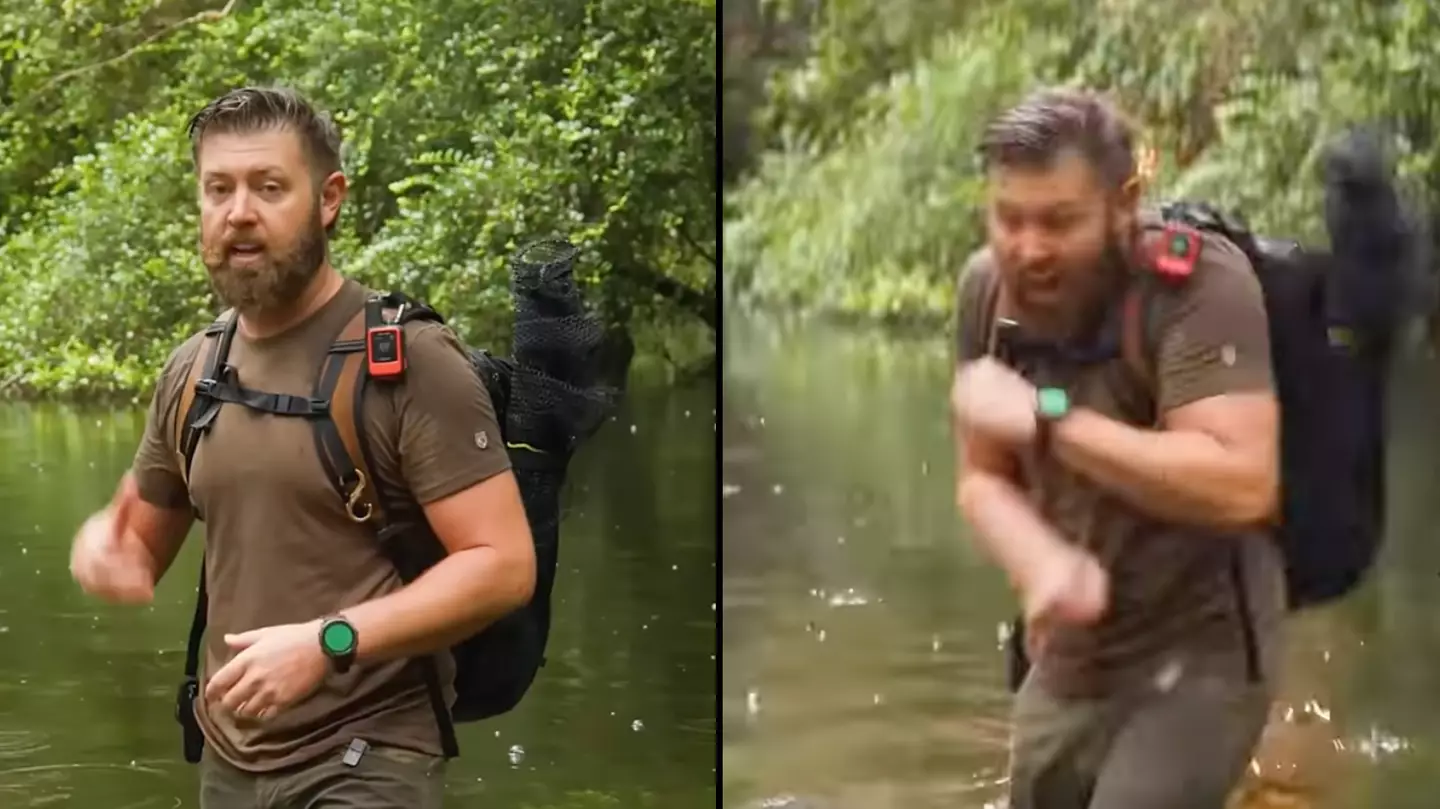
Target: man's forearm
<point>1184,476</point>
<point>1009,528</point>
<point>461,595</point>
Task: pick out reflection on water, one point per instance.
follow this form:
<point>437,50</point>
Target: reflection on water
<point>623,715</point>
<point>861,665</point>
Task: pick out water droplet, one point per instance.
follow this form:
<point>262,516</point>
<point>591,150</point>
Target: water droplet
<point>777,488</point>
<point>633,428</point>
<point>637,726</point>
<point>517,754</point>
<point>821,636</point>
<point>752,702</point>
<point>934,643</point>
<point>878,699</point>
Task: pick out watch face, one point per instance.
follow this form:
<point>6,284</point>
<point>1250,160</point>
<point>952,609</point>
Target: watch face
<point>338,638</point>
<point>1052,402</point>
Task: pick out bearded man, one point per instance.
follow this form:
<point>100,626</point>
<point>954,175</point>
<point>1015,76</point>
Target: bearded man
<point>1131,514</point>
<point>313,691</point>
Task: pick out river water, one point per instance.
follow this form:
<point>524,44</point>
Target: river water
<point>623,716</point>
<point>860,645</point>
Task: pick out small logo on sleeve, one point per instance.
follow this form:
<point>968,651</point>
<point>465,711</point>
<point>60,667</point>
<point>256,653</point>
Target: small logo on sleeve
<point>482,439</point>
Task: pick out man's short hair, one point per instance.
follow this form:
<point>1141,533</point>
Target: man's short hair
<point>256,109</point>
<point>1049,122</point>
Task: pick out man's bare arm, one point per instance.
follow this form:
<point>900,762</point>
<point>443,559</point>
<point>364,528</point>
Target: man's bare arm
<point>1006,524</point>
<point>153,533</point>
<point>489,572</point>
<point>1214,462</point>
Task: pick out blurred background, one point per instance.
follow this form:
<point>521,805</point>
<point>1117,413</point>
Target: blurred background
<point>861,638</point>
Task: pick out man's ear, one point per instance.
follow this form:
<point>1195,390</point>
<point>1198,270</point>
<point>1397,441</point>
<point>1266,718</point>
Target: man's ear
<point>1127,203</point>
<point>333,190</point>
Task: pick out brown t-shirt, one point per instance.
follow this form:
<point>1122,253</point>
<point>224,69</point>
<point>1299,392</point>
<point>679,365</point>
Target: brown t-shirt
<point>1174,596</point>
<point>278,546</point>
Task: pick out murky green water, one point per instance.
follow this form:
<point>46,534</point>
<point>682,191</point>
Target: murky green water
<point>861,665</point>
<point>623,715</point>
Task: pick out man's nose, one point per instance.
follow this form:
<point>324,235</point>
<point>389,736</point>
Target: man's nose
<point>1032,247</point>
<point>242,210</point>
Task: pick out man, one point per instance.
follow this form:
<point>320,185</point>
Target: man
<point>1126,514</point>
<point>279,712</point>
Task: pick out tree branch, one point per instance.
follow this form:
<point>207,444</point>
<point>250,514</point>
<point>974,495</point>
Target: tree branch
<point>701,304</point>
<point>204,16</point>
<point>684,234</point>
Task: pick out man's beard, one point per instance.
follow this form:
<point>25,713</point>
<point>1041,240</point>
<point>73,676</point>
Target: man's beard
<point>272,283</point>
<point>1085,292</point>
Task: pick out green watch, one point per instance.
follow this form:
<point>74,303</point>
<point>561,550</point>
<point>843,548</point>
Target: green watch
<point>1051,404</point>
<point>339,641</point>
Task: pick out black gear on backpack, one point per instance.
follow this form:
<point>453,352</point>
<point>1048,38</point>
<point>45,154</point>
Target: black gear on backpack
<point>548,401</point>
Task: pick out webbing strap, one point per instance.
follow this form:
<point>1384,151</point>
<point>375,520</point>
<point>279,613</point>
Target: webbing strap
<point>340,443</point>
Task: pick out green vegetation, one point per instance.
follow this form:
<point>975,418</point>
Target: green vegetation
<point>471,127</point>
<point>865,201</point>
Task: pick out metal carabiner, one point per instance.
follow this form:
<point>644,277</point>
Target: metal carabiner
<point>354,501</point>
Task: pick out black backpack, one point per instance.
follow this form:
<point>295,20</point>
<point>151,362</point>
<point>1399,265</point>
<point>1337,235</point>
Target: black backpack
<point>547,400</point>
<point>1331,356</point>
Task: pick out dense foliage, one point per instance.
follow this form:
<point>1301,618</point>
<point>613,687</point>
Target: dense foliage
<point>865,201</point>
<point>471,127</point>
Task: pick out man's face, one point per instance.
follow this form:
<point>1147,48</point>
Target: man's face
<point>1053,228</point>
<point>262,219</point>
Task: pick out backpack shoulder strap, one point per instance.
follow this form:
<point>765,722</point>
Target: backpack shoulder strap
<point>1168,254</point>
<point>346,458</point>
<point>195,412</point>
<point>1136,341</point>
<point>991,297</point>
<point>338,442</point>
<point>340,439</point>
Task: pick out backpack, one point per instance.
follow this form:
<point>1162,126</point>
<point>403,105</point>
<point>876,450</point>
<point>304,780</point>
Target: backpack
<point>1330,358</point>
<point>547,402</point>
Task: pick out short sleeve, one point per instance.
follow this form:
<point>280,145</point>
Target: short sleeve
<point>971,289</point>
<point>449,436</point>
<point>1214,336</point>
<point>156,467</point>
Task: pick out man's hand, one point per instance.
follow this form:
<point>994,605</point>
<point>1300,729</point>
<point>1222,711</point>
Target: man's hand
<point>1070,587</point>
<point>991,399</point>
<point>103,564</point>
<point>277,666</point>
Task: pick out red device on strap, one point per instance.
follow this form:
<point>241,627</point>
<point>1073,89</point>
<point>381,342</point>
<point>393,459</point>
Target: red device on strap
<point>1176,252</point>
<point>385,351</point>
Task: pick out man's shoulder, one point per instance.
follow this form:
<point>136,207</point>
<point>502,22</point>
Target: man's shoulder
<point>182,358</point>
<point>975,274</point>
<point>1222,275</point>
